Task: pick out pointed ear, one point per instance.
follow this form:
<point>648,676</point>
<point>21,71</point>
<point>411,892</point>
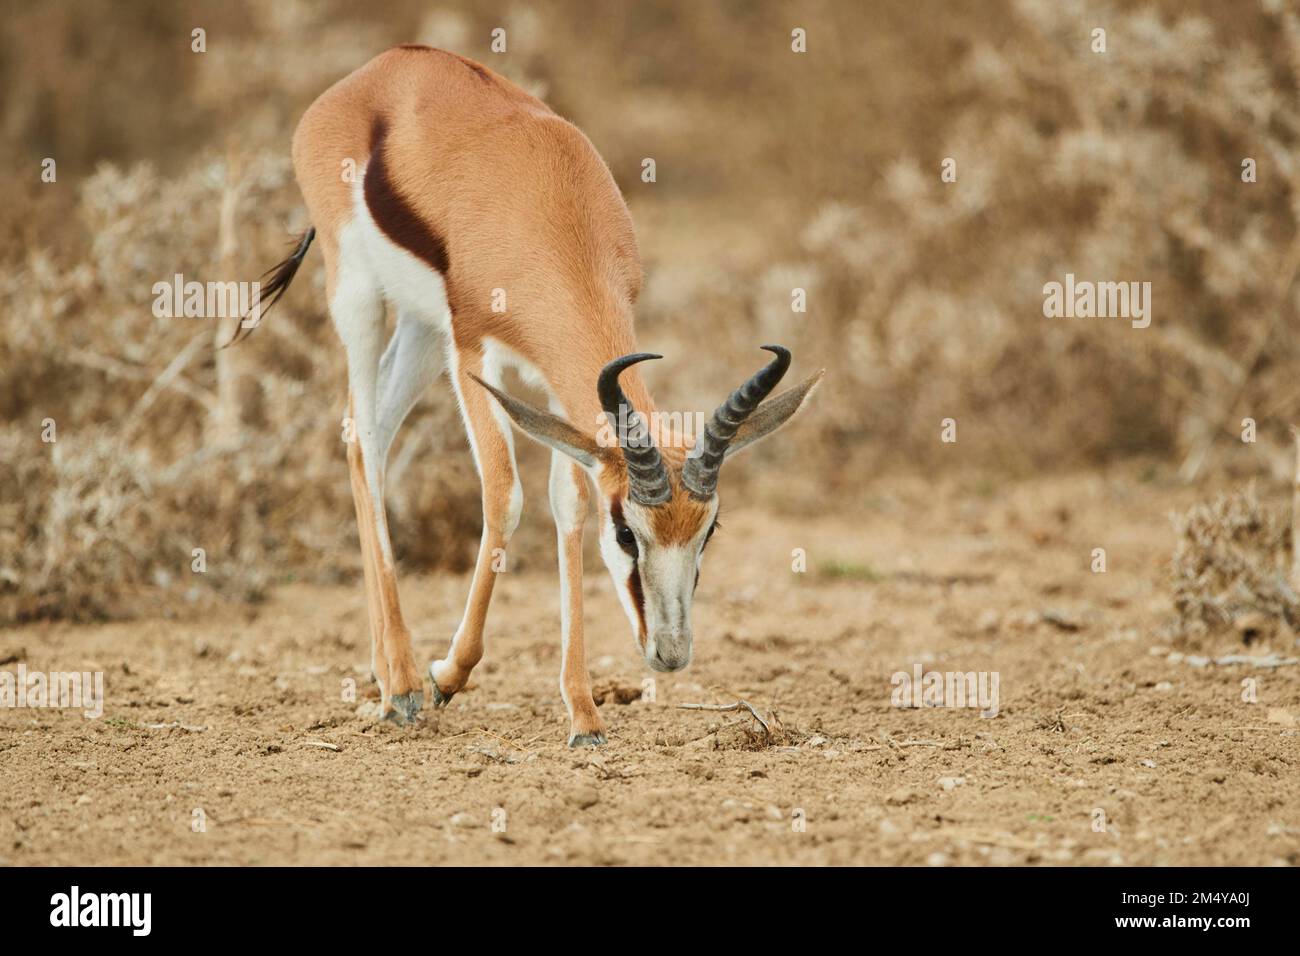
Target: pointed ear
<point>773,413</point>
<point>547,428</point>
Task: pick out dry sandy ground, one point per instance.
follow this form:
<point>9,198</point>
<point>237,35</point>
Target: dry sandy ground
<point>1095,718</point>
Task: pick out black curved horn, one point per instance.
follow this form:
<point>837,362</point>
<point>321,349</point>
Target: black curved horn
<point>700,473</point>
<point>647,478</point>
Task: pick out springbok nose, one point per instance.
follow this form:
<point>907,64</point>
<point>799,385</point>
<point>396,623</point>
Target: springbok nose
<point>672,650</point>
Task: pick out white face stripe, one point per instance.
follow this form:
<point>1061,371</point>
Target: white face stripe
<point>667,575</point>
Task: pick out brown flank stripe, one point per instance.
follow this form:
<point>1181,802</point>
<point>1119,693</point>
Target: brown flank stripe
<point>393,214</point>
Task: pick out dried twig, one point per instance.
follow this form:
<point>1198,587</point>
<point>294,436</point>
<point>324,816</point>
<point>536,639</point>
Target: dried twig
<point>899,744</point>
<point>170,377</point>
<point>738,705</point>
<point>1268,660</point>
<point>191,728</point>
<point>504,740</point>
<point>224,417</point>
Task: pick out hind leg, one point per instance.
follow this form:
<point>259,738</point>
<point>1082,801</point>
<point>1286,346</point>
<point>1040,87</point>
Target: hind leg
<point>412,362</point>
<point>357,309</point>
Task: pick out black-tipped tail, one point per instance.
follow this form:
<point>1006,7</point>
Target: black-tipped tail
<point>273,284</point>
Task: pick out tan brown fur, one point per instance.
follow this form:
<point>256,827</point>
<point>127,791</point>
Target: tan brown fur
<point>682,518</point>
<point>520,197</point>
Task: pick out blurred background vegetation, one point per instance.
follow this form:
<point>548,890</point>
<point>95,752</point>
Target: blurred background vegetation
<point>775,170</point>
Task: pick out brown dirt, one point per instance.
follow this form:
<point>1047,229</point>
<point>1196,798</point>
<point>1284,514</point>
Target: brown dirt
<point>963,578</point>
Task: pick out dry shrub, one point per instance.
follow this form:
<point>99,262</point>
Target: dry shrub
<point>83,537</point>
<point>138,475</point>
<point>1119,166</point>
<point>1232,560</point>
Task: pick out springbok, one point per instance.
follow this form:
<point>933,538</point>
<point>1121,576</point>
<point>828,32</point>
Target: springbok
<point>468,188</point>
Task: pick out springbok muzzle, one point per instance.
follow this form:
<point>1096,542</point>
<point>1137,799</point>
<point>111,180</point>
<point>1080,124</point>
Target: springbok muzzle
<point>669,648</point>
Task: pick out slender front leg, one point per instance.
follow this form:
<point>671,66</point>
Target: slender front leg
<point>494,455</point>
<point>569,496</point>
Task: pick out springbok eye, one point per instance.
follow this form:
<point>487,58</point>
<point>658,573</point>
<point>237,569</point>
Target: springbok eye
<point>712,528</point>
<point>626,539</point>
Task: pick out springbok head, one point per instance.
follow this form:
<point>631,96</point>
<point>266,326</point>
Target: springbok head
<point>658,505</point>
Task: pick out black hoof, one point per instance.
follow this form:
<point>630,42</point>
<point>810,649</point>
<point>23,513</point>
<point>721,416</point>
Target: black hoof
<point>440,699</point>
<point>406,707</point>
<point>594,739</point>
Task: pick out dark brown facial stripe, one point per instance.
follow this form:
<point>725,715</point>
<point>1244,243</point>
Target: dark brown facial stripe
<point>633,579</point>
<point>393,214</point>
<point>638,596</point>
